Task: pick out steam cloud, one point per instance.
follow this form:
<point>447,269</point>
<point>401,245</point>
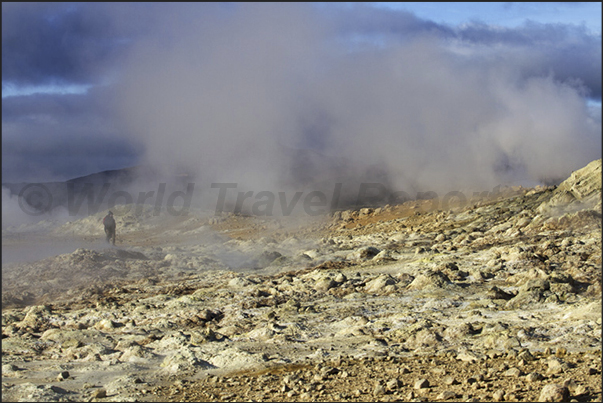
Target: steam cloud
<point>284,97</point>
<point>432,111</point>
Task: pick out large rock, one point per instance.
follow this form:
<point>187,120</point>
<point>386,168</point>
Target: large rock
<point>554,393</point>
<point>431,279</point>
<point>584,182</point>
<point>36,315</point>
<point>236,358</point>
<point>380,283</point>
<point>365,252</point>
<point>582,190</point>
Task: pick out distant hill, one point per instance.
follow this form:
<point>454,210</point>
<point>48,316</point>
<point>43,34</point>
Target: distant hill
<point>47,196</point>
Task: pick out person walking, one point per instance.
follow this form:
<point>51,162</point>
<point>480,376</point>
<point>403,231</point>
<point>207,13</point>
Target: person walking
<point>109,223</point>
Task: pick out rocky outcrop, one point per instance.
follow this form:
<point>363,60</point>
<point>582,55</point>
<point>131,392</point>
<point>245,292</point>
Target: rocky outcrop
<point>582,190</point>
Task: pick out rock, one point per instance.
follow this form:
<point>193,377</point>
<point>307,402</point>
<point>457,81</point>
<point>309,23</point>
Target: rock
<point>446,395</point>
<point>535,284</point>
<point>522,222</point>
<point>365,212</point>
<point>525,298</point>
<point>384,256</point>
<point>379,284</point>
<point>430,279</point>
<point>379,390</point>
<point>9,369</point>
<point>562,289</point>
<point>497,293</point>
<point>468,356</point>
<point>513,372</point>
<point>325,284</point>
<point>327,370</point>
<point>393,384</point>
<point>582,190</point>
<point>582,183</point>
<point>183,359</point>
<point>136,353</point>
<point>99,393</point>
<point>459,331</point>
<point>424,338</point>
<point>311,254</point>
<point>63,375</point>
<point>207,315</point>
<point>71,343</point>
<point>36,316</point>
<point>534,377</point>
<point>421,384</point>
<point>261,333</point>
<point>554,393</point>
<point>556,365</point>
<point>498,395</point>
<point>236,358</point>
<point>106,325</point>
<point>525,355</point>
<point>366,252</point>
<point>573,387</point>
<point>395,238</point>
<point>240,282</point>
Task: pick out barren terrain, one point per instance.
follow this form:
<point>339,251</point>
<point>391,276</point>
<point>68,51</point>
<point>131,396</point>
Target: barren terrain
<point>498,300</point>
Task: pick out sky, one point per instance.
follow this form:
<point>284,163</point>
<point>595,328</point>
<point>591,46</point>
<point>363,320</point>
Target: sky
<point>509,15</point>
<point>423,96</point>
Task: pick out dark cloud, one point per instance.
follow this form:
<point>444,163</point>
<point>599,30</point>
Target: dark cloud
<point>46,43</point>
<point>364,19</point>
<point>58,163</point>
<point>71,43</point>
<point>569,52</point>
<point>83,43</point>
<point>55,137</point>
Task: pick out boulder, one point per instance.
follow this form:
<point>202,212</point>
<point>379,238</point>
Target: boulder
<point>554,393</point>
<point>366,252</point>
<point>431,279</point>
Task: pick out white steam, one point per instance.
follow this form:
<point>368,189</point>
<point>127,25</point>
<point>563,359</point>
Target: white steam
<point>227,90</point>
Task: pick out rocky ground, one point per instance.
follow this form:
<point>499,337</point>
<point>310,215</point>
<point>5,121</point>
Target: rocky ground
<point>499,300</point>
